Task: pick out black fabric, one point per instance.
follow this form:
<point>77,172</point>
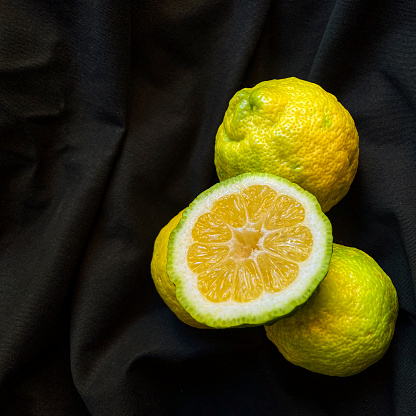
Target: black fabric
<point>108,114</point>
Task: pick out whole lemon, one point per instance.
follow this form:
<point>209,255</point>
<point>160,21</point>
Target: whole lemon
<point>293,129</point>
<point>347,324</point>
<point>164,286</point>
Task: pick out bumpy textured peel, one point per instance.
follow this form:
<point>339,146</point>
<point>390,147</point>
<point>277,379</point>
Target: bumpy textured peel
<point>348,323</point>
<point>269,307</point>
<point>294,129</point>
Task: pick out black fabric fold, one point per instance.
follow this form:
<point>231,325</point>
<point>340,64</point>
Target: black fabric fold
<point>108,116</point>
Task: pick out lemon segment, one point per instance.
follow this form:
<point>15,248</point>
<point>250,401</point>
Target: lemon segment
<point>248,251</point>
<point>277,273</point>
<point>258,201</point>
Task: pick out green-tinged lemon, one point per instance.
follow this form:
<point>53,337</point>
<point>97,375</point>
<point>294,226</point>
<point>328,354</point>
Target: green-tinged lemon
<point>294,129</point>
<point>347,324</point>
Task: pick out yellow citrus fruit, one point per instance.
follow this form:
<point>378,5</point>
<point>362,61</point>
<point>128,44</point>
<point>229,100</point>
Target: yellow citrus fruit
<point>248,251</point>
<point>347,324</point>
<point>293,129</point>
<point>164,286</point>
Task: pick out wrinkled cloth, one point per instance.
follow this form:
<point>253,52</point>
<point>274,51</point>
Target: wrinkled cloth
<point>108,116</point>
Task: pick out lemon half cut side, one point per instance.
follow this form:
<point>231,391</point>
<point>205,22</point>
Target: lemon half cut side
<point>248,251</point>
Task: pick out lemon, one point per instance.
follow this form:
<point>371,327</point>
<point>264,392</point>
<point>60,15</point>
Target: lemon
<point>164,286</point>
<point>293,129</point>
<point>248,251</point>
<point>348,323</point>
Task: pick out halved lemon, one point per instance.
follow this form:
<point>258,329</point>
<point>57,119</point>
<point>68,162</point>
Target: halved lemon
<point>248,251</point>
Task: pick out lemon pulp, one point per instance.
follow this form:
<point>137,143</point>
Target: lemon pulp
<point>248,243</point>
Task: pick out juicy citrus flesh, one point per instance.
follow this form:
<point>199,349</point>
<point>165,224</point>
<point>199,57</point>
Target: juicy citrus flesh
<point>164,286</point>
<point>347,324</point>
<point>294,129</point>
<point>249,242</point>
<point>248,251</point>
